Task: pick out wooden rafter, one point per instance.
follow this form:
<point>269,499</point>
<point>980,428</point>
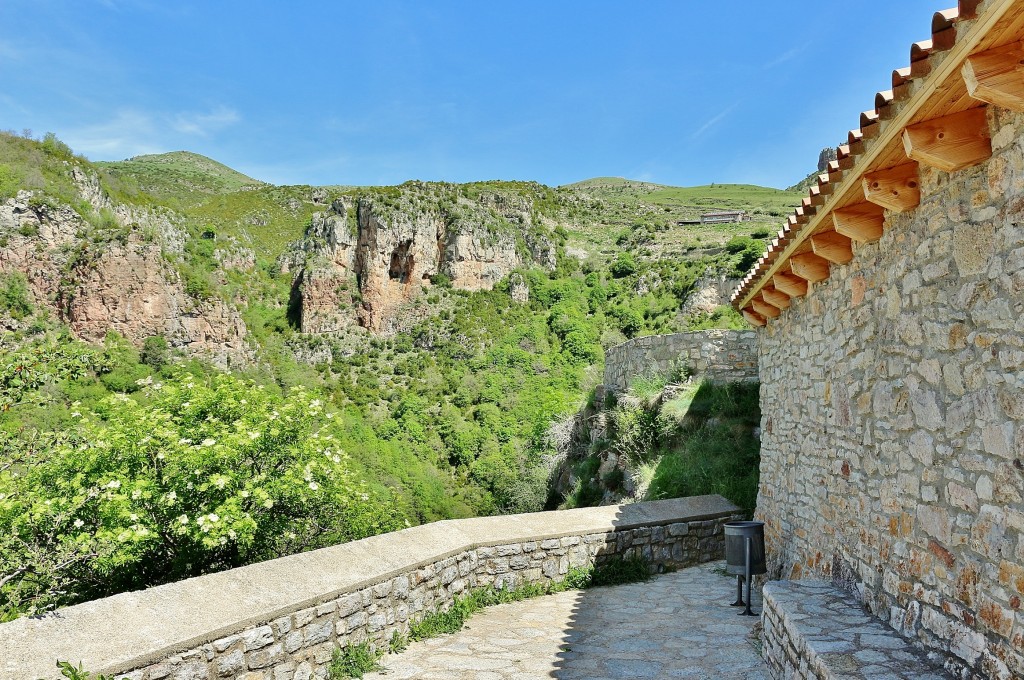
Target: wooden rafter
<point>775,297</point>
<point>810,266</point>
<point>765,309</point>
<point>791,285</point>
<point>952,142</point>
<point>876,142</point>
<point>860,221</point>
<point>997,76</point>
<point>897,189</point>
<point>834,247</point>
<point>753,318</point>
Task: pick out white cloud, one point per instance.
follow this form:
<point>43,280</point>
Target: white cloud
<point>131,132</point>
<point>714,120</point>
<point>783,58</point>
<point>204,124</point>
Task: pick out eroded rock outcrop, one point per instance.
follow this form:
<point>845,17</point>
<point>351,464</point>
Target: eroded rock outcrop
<point>367,260</point>
<point>114,278</point>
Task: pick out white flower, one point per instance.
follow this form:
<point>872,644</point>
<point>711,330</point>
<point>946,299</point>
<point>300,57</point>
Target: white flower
<point>184,441</point>
<point>244,493</point>
<point>76,414</point>
<point>232,534</point>
<point>160,456</point>
<point>337,459</point>
<point>269,503</point>
<point>79,524</point>
<point>223,540</point>
<point>142,531</point>
<point>133,517</point>
<point>213,517</point>
<point>221,482</point>
<point>186,404</point>
<point>148,380</point>
<point>3,496</point>
<point>136,494</point>
<point>172,497</point>
<point>328,415</point>
<point>243,402</point>
<point>316,403</point>
<point>209,442</point>
<point>314,486</point>
<point>114,484</point>
<point>206,528</point>
<point>254,435</point>
<point>158,386</point>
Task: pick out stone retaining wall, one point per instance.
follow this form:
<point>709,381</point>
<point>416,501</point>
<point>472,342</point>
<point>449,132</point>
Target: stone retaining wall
<point>892,399</point>
<point>282,620</point>
<point>720,355</point>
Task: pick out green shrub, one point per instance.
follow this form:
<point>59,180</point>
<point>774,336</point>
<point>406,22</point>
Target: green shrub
<point>624,265</point>
<point>14,295</point>
<point>354,661</point>
<point>199,477</point>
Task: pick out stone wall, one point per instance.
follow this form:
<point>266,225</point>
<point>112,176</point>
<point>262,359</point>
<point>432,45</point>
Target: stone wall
<point>892,397</point>
<point>282,619</point>
<point>720,355</point>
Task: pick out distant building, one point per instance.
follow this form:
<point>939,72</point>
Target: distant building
<point>724,216</point>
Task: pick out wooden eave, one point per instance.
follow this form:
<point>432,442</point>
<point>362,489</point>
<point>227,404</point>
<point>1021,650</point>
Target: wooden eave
<point>932,87</point>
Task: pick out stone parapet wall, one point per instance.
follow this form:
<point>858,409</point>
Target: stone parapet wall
<point>282,620</point>
<point>719,355</point>
<point>892,399</point>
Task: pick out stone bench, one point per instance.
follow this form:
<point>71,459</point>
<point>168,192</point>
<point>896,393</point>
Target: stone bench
<point>812,629</point>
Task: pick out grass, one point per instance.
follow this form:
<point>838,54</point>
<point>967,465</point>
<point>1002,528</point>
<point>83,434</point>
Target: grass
<point>354,661</point>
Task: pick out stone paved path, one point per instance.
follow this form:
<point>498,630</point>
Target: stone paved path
<point>674,626</point>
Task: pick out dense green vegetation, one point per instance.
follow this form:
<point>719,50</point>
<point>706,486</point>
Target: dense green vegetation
<point>103,449</point>
<point>676,439</point>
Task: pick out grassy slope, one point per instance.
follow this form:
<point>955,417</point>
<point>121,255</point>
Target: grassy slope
<point>618,205</point>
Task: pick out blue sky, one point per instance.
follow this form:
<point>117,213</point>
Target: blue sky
<point>382,91</point>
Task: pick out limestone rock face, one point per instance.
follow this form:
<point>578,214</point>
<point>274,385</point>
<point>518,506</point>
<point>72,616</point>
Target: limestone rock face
<point>366,263</point>
<point>710,291</point>
<point>130,289</point>
<point>123,284</point>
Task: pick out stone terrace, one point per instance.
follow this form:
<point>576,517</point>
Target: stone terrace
<point>678,625</point>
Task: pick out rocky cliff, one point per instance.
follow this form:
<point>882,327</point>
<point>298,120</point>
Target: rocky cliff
<point>368,258</point>
<point>114,273</point>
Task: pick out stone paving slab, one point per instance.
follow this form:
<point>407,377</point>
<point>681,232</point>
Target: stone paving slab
<point>677,625</point>
<point>813,629</point>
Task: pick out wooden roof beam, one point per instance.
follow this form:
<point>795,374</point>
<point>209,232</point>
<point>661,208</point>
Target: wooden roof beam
<point>753,318</point>
<point>810,266</point>
<point>791,285</point>
<point>775,297</point>
<point>997,76</point>
<point>951,142</point>
<point>860,221</point>
<point>765,309</point>
<point>834,247</point>
<point>897,189</point>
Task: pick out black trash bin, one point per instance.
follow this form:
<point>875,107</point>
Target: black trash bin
<point>744,556</point>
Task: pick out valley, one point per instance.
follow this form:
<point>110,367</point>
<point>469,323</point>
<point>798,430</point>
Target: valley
<point>443,328</point>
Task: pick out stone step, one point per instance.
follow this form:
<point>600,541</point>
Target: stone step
<point>814,630</point>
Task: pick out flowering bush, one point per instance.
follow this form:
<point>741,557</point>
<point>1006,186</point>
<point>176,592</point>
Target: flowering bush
<point>186,478</point>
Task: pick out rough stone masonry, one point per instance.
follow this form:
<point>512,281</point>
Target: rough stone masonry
<point>717,354</point>
<point>892,398</point>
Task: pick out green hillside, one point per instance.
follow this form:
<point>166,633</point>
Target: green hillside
<point>181,173</point>
<point>450,416</point>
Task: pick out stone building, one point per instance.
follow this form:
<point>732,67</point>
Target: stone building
<point>891,353</point>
